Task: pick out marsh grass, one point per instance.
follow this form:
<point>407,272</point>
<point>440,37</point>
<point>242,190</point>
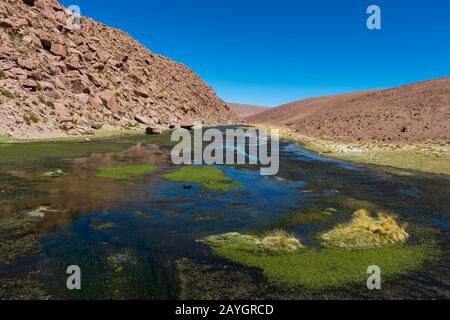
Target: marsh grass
<point>125,172</point>
<point>364,231</point>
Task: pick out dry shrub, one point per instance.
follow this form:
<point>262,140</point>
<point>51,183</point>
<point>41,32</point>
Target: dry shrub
<point>279,240</point>
<point>364,231</point>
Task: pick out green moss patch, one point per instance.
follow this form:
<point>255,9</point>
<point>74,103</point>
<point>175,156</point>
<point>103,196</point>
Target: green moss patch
<point>125,172</point>
<point>213,179</point>
<point>320,269</point>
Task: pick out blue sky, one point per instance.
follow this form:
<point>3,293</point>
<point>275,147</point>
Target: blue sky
<point>273,52</point>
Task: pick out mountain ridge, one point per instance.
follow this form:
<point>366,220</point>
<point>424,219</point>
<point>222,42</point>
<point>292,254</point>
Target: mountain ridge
<point>59,82</point>
<point>414,112</point>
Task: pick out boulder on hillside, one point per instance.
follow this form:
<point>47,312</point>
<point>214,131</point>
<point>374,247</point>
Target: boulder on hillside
<point>153,130</point>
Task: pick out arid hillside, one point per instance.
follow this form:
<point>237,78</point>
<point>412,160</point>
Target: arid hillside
<point>246,110</point>
<point>59,81</point>
<point>413,113</point>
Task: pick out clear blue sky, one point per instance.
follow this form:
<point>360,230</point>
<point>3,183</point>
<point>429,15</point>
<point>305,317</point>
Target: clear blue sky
<point>272,52</point>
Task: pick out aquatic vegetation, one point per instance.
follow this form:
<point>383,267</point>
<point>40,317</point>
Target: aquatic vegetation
<point>121,260</point>
<point>54,174</point>
<point>97,225</point>
<point>125,172</point>
<point>221,187</point>
<point>319,269</point>
<point>213,179</point>
<point>17,239</point>
<point>199,281</point>
<point>14,152</point>
<point>365,231</point>
<point>160,139</point>
<point>309,217</point>
<point>141,214</point>
<point>22,289</point>
<point>207,217</point>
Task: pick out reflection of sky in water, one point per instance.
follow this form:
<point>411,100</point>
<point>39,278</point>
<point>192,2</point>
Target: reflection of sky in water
<point>410,193</point>
<point>440,223</point>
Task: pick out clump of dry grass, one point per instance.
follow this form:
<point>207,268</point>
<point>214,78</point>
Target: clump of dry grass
<point>279,240</point>
<point>364,231</point>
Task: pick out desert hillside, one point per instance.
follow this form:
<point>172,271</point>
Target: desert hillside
<point>413,113</point>
<point>246,110</point>
<point>56,81</point>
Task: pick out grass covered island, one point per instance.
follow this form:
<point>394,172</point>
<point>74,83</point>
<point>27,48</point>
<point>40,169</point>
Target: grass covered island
<point>212,179</point>
<point>347,251</point>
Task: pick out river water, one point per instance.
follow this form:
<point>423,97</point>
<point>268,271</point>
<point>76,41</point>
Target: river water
<point>137,239</point>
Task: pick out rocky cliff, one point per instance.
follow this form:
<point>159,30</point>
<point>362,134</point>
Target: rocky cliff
<point>59,81</point>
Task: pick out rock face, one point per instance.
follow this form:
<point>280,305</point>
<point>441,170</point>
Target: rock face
<point>413,113</point>
<point>76,81</point>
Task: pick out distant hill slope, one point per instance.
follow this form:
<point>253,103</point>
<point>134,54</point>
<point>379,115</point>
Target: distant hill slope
<point>57,82</point>
<point>411,113</point>
<point>246,110</point>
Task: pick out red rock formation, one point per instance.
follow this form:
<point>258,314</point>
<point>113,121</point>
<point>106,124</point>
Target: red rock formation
<point>89,78</point>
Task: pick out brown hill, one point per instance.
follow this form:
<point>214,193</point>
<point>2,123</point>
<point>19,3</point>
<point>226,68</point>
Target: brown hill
<point>246,110</point>
<point>56,81</point>
<point>411,113</point>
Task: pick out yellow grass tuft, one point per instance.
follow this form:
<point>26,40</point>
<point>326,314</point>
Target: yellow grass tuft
<point>279,240</point>
<point>364,231</point>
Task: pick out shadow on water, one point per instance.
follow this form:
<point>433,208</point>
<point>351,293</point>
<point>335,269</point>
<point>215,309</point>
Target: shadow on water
<point>136,239</point>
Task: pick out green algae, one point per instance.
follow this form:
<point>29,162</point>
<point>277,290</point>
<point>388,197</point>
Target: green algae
<point>125,172</point>
<point>213,179</point>
<point>320,268</point>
